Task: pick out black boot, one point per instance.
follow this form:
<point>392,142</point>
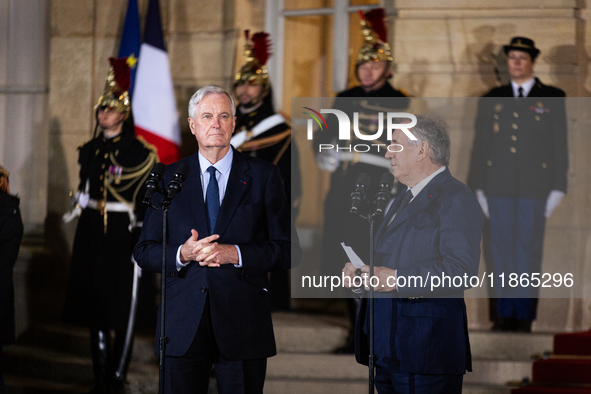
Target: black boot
<point>523,325</point>
<point>100,345</point>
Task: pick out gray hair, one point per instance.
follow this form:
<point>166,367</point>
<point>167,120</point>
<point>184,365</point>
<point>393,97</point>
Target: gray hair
<point>435,131</point>
<point>204,91</point>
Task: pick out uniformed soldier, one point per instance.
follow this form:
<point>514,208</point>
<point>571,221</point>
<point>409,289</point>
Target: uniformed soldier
<point>373,95</point>
<point>11,233</point>
<point>265,134</point>
<point>518,171</point>
<point>114,166</point>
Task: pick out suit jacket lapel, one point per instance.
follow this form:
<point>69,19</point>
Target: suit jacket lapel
<point>536,90</point>
<point>389,214</point>
<point>194,194</point>
<point>238,184</point>
<point>425,197</point>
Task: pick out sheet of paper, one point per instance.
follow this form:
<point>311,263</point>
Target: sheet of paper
<point>353,258</point>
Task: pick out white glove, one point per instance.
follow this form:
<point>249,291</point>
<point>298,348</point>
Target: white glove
<point>74,213</point>
<point>482,201</point>
<point>328,160</point>
<point>554,199</point>
<point>82,198</point>
<point>79,202</point>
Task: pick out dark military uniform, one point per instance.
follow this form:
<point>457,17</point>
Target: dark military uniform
<point>101,275</point>
<point>520,145</point>
<point>339,224</point>
<point>519,156</point>
<point>11,233</point>
<point>275,146</point>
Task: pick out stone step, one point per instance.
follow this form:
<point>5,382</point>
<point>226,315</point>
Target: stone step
<point>61,353</point>
<point>17,384</point>
<point>75,340</point>
<point>302,333</point>
<point>485,389</point>
<point>344,368</point>
<point>141,379</point>
<point>509,346</point>
<point>498,372</point>
<point>321,386</point>
<point>43,364</point>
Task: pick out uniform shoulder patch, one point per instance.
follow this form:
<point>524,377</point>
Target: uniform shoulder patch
<point>147,144</point>
<point>82,145</point>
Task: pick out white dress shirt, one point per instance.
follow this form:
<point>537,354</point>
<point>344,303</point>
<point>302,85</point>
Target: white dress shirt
<point>526,86</point>
<point>223,168</point>
<point>420,186</point>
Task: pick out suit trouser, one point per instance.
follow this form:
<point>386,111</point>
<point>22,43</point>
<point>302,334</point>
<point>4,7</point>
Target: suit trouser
<point>395,381</point>
<point>190,373</point>
<point>517,238</point>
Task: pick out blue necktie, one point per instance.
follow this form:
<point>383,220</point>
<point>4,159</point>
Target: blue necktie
<point>212,199</point>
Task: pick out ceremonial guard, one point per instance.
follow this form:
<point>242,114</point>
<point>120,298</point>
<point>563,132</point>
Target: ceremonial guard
<point>11,233</point>
<point>373,95</point>
<point>102,290</point>
<point>263,133</point>
<point>518,172</point>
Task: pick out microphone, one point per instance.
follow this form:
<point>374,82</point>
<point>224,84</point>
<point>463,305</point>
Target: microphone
<point>383,195</point>
<point>153,182</point>
<point>176,183</point>
<point>358,196</point>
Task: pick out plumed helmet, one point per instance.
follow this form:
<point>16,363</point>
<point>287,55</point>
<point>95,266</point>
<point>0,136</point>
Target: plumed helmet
<point>375,47</point>
<point>257,52</point>
<point>116,93</point>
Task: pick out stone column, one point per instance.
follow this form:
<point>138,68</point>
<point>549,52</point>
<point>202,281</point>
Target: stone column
<point>24,127</point>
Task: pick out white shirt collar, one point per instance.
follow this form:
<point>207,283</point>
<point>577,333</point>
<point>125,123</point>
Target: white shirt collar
<point>421,185</point>
<point>527,86</point>
<point>223,165</point>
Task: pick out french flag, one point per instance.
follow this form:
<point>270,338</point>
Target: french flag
<point>130,40</point>
<point>153,104</point>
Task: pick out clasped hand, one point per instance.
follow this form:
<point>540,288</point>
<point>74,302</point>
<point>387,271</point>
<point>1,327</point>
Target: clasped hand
<point>207,252</point>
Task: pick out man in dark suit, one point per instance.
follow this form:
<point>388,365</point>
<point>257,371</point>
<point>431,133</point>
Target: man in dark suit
<point>518,172</point>
<point>228,228</point>
<point>432,228</point>
<point>373,95</point>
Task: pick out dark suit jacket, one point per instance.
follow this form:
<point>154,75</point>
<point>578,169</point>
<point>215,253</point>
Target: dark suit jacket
<point>520,146</point>
<point>438,232</point>
<point>11,233</point>
<point>255,216</point>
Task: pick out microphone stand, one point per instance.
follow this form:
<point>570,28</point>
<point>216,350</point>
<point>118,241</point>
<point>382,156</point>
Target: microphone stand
<point>163,339</point>
<point>164,205</point>
<point>370,217</point>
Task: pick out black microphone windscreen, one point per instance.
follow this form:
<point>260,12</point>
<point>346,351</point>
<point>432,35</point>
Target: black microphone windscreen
<point>387,179</point>
<point>363,179</point>
<point>183,169</point>
<point>159,169</point>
